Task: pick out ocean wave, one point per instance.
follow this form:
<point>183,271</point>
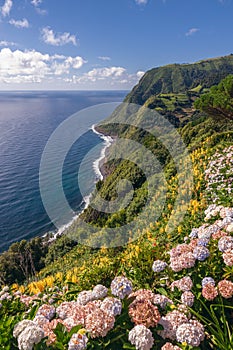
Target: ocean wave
<point>108,140</point>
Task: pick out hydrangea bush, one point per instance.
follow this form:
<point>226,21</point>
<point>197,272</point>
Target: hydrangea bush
<point>165,295</point>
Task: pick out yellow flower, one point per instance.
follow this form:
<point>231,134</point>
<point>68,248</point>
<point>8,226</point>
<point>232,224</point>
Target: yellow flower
<point>179,229</point>
<point>15,287</point>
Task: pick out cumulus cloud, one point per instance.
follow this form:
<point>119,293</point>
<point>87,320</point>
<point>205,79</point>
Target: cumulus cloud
<point>4,43</point>
<point>102,73</point>
<point>141,2</point>
<point>20,23</point>
<point>98,74</point>
<point>106,77</point>
<point>140,74</point>
<point>57,39</point>
<point>192,31</point>
<point>104,58</point>
<point>33,66</point>
<point>68,62</point>
<point>6,8</point>
<point>36,2</point>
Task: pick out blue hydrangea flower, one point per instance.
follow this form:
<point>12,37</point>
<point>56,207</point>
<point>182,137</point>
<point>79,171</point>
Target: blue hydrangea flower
<point>121,287</point>
<point>194,233</point>
<point>201,253</point>
<point>207,280</point>
<point>203,242</point>
<point>159,266</point>
<point>225,243</point>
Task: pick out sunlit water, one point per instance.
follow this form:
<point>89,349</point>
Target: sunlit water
<point>27,119</point>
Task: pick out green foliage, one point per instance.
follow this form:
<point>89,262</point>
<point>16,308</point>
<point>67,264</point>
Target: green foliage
<point>11,312</point>
<point>22,260</point>
<point>179,78</point>
<point>218,102</point>
<point>59,248</point>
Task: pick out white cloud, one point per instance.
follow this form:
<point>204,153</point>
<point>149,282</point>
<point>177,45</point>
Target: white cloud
<point>4,43</point>
<point>57,39</point>
<point>106,72</point>
<point>107,77</point>
<point>6,8</point>
<point>104,58</point>
<point>68,63</point>
<point>20,23</point>
<point>36,2</point>
<point>140,74</point>
<point>192,31</point>
<point>141,2</point>
<point>34,67</point>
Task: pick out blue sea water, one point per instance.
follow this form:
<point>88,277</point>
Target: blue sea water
<point>27,120</point>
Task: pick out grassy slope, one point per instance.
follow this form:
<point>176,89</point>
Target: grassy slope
<point>83,267</point>
<point>178,78</point>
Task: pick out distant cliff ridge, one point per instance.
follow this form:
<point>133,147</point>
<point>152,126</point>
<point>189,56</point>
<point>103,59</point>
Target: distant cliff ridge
<point>180,78</point>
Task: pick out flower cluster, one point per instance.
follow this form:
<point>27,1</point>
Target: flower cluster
<point>170,323</point>
<point>225,243</point>
<point>185,284</point>
<point>159,266</point>
<point>112,306</point>
<point>225,288</point>
<point>144,312</point>
<point>207,280</point>
<point>228,257</point>
<point>191,334</point>
<point>170,346</point>
<point>201,253</point>
<point>99,323</point>
<point>218,175</point>
<point>141,337</point>
<point>78,341</point>
<point>121,287</point>
<point>46,311</point>
<point>96,310</point>
<point>188,298</point>
<point>28,334</point>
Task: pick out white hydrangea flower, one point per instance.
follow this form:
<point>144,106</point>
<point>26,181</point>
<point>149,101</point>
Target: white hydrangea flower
<point>85,296</point>
<point>78,341</point>
<point>141,337</point>
<point>29,337</point>
<point>19,328</point>
<point>190,334</point>
<point>100,291</point>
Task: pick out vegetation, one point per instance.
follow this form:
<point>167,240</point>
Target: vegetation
<point>218,102</point>
<point>58,272</point>
<point>22,260</point>
<point>179,78</point>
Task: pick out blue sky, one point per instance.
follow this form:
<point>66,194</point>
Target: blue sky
<point>105,44</point>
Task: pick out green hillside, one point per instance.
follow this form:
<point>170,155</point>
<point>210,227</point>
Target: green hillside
<point>179,78</point>
<point>166,287</point>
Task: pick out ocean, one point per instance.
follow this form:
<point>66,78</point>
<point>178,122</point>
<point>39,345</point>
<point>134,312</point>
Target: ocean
<point>27,120</point>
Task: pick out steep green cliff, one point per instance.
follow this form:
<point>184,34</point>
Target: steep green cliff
<point>180,78</point>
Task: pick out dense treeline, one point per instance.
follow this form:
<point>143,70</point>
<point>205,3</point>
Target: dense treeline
<point>218,102</point>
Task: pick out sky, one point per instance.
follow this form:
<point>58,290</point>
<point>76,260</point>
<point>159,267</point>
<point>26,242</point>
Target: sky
<point>105,44</point>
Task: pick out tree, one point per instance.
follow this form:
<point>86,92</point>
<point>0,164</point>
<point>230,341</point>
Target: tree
<point>22,260</point>
<point>218,102</point>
